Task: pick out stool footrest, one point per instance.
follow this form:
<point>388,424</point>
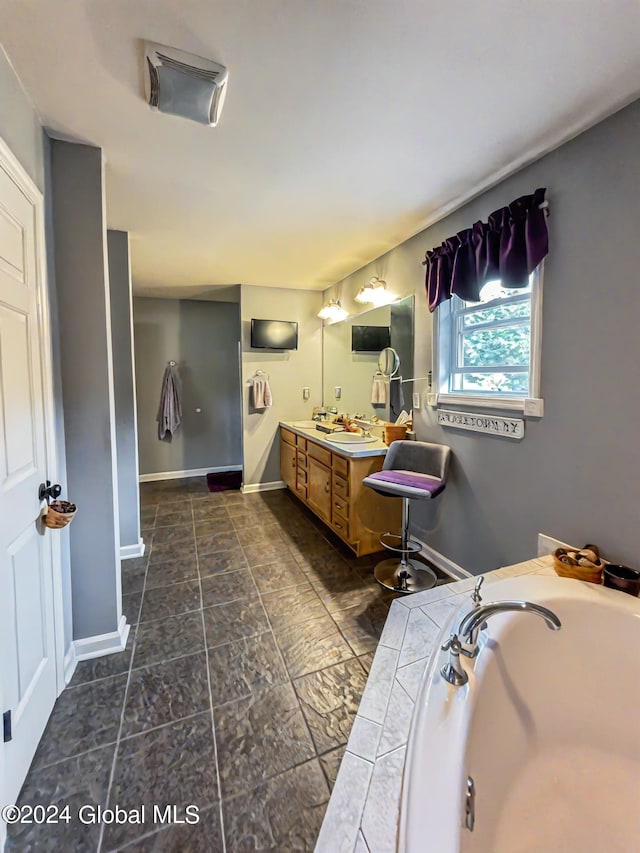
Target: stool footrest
<point>393,542</point>
<point>413,577</point>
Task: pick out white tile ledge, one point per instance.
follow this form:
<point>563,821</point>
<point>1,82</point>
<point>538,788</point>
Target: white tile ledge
<point>354,821</point>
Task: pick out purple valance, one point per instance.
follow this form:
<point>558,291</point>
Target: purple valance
<point>509,247</point>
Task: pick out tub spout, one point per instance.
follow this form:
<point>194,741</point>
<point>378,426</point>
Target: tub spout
<point>468,631</point>
<point>479,614</point>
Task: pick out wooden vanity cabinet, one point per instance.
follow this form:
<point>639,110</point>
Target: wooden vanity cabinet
<point>319,489</point>
<point>288,458</point>
<point>331,486</point>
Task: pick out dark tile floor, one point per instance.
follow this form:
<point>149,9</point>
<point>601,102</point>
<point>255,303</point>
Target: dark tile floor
<point>252,634</point>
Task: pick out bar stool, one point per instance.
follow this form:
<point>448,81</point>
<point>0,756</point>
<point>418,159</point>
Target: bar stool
<point>411,469</point>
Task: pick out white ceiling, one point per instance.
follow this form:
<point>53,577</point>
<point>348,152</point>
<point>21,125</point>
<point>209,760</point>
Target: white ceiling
<point>349,125</point>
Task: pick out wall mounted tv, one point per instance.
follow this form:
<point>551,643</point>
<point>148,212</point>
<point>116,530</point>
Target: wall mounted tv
<point>274,334</point>
<point>370,338</point>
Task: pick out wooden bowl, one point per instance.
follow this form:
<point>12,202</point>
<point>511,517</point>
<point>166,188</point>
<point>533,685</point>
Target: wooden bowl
<point>394,432</point>
<point>581,573</point>
<point>59,514</point>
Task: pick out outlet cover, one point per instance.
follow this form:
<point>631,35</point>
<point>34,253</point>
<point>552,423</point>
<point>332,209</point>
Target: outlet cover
<point>416,400</point>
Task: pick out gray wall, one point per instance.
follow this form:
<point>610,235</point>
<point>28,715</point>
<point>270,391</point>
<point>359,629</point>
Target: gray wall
<point>87,384</point>
<point>202,337</point>
<point>124,387</point>
<point>289,372</point>
<point>65,546</point>
<point>576,474</point>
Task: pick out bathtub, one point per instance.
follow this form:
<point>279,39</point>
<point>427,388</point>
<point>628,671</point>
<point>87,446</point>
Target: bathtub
<point>548,728</point>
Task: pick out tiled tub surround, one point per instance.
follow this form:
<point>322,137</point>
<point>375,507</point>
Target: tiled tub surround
<point>251,640</point>
<point>364,809</point>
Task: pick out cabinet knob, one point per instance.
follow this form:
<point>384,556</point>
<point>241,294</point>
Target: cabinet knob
<point>327,487</point>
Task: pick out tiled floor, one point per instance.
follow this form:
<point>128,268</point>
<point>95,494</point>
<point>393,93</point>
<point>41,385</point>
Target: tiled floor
<point>251,639</point>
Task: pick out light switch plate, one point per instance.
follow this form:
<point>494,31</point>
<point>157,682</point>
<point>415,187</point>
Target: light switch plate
<point>306,393</point>
<point>416,400</point>
<point>338,391</point>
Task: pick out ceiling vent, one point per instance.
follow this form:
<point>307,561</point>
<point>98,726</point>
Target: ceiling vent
<point>184,84</point>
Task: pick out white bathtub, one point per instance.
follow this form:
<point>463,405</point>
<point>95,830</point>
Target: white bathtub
<point>548,727</point>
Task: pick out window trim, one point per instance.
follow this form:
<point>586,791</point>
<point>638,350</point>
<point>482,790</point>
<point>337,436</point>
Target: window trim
<point>533,405</point>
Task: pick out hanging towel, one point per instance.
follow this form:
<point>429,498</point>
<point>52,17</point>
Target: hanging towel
<point>261,393</point>
<point>170,408</point>
<point>378,391</point>
<point>396,396</point>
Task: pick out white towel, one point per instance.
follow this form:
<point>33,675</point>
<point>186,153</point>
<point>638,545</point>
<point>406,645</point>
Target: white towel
<point>170,409</point>
<point>378,391</point>
<point>261,393</point>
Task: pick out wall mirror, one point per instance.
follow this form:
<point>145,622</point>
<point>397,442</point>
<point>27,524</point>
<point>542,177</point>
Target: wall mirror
<point>351,350</point>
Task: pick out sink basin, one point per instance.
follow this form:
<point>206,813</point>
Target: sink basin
<point>305,424</point>
<point>350,438</point>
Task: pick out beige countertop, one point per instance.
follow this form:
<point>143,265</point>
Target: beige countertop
<point>373,448</point>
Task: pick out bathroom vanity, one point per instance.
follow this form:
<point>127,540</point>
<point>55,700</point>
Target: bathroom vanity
<point>328,477</point>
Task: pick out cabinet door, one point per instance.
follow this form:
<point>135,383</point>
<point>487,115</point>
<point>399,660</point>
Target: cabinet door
<point>319,488</point>
<point>288,464</point>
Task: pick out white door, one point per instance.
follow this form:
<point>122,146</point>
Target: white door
<point>27,646</point>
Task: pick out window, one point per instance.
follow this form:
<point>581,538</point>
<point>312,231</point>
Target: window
<point>489,351</point>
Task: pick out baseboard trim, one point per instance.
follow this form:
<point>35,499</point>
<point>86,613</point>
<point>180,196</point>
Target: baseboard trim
<point>128,552</point>
<point>192,472</point>
<point>103,644</point>
<point>441,562</point>
<point>70,663</point>
<point>249,488</point>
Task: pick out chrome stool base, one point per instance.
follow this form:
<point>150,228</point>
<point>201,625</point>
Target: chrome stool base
<point>391,574</point>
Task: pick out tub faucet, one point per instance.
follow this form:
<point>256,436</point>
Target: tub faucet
<point>453,671</point>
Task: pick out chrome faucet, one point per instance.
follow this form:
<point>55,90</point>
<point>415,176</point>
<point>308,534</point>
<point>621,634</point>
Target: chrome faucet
<point>462,642</point>
<point>476,598</point>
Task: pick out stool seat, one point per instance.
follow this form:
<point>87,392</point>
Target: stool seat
<point>411,484</point>
<point>412,470</point>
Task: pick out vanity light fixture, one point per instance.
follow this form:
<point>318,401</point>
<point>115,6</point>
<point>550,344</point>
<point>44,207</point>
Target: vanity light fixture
<point>332,311</point>
<point>374,292</point>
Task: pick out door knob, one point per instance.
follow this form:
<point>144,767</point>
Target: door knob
<point>46,490</point>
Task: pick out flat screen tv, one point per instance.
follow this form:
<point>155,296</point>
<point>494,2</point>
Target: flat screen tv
<point>274,334</point>
<point>370,338</point>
